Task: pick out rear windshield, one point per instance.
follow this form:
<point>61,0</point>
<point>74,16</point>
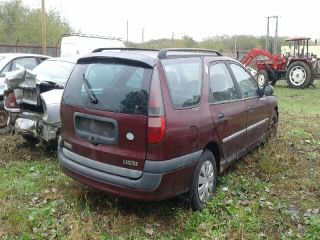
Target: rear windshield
<point>54,71</point>
<point>110,86</point>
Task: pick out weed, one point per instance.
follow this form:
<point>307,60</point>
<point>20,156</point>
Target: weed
<point>272,193</point>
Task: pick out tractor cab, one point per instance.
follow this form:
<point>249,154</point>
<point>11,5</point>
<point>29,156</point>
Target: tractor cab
<point>300,47</point>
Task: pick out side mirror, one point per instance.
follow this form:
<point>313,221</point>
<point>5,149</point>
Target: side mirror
<point>268,90</point>
<point>2,75</point>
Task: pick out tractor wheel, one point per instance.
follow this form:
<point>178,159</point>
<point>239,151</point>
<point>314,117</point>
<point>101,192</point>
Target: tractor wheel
<point>273,81</point>
<point>299,75</point>
<point>262,78</point>
<point>3,118</point>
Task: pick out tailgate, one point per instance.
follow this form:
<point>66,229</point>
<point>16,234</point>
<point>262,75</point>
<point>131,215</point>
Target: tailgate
<point>104,113</point>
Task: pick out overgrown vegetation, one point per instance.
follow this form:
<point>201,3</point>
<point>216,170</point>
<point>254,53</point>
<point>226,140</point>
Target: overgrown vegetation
<point>21,23</point>
<point>273,193</point>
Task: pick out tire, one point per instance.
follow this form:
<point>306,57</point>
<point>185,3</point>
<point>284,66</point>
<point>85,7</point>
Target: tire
<point>30,139</point>
<point>299,75</point>
<point>4,115</point>
<point>262,78</point>
<point>206,170</point>
<point>273,81</point>
<point>273,124</point>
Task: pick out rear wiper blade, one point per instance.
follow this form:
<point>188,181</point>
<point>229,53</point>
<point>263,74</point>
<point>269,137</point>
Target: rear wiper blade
<point>86,84</point>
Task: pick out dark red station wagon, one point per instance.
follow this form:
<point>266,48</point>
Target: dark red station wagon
<point>150,125</point>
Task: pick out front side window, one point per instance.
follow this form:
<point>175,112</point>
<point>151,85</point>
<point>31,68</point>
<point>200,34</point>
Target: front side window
<point>221,85</point>
<point>184,79</point>
<point>27,63</point>
<point>110,86</point>
<point>248,86</point>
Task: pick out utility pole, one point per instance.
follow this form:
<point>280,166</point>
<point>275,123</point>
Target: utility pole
<point>274,49</point>
<point>127,31</point>
<point>275,42</point>
<point>142,35</point>
<point>267,37</point>
<point>43,28</point>
<point>172,39</point>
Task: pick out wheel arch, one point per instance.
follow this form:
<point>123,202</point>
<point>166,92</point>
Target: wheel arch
<point>215,149</point>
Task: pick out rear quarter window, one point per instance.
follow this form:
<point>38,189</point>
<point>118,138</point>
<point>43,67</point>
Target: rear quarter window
<point>118,87</point>
<point>184,79</point>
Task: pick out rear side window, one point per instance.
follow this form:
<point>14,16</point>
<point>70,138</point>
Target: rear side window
<point>184,79</point>
<point>27,63</point>
<point>221,84</point>
<point>248,86</point>
<point>115,87</point>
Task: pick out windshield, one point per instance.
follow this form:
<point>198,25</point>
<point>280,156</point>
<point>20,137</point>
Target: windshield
<point>54,71</point>
<point>111,86</point>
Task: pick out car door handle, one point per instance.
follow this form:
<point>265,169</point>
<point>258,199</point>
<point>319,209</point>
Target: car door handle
<point>250,109</point>
<point>220,116</point>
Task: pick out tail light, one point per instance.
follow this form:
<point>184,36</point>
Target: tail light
<point>11,104</point>
<point>156,117</point>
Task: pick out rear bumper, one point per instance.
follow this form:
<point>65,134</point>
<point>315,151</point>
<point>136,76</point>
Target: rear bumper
<point>159,180</point>
<point>32,124</point>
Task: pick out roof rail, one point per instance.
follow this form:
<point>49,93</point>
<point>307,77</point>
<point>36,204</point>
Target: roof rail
<point>89,36</point>
<point>123,49</point>
<point>163,52</point>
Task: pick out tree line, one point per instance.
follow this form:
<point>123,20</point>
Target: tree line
<point>224,43</point>
<point>21,23</point>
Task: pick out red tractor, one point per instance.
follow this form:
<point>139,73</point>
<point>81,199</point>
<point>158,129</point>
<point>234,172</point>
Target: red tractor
<point>299,68</point>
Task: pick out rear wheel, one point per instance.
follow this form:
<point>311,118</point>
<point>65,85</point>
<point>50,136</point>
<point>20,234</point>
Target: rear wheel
<point>30,139</point>
<point>299,75</point>
<point>3,118</point>
<point>273,125</point>
<point>204,181</point>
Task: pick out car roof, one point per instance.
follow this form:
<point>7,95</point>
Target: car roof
<point>5,58</point>
<point>64,59</point>
<point>148,56</point>
<point>297,38</point>
<point>145,57</point>
<point>14,55</point>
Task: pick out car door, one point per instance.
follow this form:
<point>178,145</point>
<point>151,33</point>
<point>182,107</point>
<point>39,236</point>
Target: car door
<point>227,109</point>
<point>255,104</point>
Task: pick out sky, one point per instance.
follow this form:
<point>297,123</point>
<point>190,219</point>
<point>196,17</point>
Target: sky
<point>198,19</point>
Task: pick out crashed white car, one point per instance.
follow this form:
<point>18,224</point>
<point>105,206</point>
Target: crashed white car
<point>11,62</point>
<point>33,99</point>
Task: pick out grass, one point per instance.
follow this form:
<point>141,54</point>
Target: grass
<point>272,193</point>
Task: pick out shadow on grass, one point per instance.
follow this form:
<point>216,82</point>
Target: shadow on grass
<point>97,200</point>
